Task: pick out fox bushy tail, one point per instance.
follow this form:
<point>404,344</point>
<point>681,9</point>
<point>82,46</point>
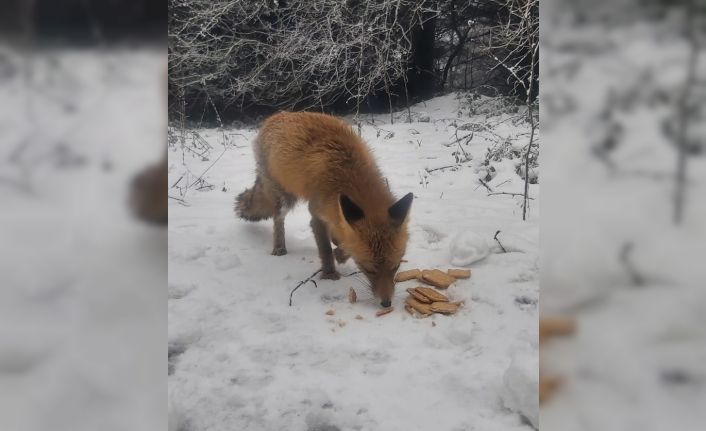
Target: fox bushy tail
<point>254,204</point>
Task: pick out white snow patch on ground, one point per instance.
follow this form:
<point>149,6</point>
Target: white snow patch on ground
<point>467,248</point>
<point>241,358</point>
<point>521,381</point>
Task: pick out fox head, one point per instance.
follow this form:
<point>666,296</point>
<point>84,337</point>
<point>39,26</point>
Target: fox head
<point>377,242</point>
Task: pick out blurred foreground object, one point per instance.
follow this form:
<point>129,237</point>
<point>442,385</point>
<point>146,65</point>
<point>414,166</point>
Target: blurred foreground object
<point>148,196</point>
<point>623,212</point>
<point>82,303</point>
<point>552,327</point>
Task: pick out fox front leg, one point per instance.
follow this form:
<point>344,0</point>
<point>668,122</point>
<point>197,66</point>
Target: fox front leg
<point>323,242</point>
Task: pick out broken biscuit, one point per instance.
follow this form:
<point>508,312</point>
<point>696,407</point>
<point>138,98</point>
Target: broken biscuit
<point>443,307</point>
<point>431,294</point>
<point>410,274</point>
<point>437,278</point>
<point>419,296</point>
<point>420,307</point>
<point>459,273</point>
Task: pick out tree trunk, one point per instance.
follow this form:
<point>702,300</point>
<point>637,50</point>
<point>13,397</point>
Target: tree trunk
<point>421,77</point>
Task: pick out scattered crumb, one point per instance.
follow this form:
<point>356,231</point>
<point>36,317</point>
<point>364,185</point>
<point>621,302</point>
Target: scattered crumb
<point>384,311</point>
<point>409,309</point>
<point>352,296</point>
<point>433,323</point>
<point>341,323</point>
<point>331,312</point>
<point>358,317</point>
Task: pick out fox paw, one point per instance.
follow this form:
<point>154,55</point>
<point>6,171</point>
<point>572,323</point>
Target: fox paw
<point>332,275</point>
<point>279,251</point>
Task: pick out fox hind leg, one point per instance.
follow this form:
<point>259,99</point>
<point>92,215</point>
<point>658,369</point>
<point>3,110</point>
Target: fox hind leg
<point>280,248</point>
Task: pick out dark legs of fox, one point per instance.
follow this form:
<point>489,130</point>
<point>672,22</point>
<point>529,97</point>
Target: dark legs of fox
<point>280,211</point>
<point>323,242</point>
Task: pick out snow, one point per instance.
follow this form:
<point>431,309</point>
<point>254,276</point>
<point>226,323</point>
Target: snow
<point>82,299</point>
<point>521,381</point>
<point>467,248</point>
<point>241,358</point>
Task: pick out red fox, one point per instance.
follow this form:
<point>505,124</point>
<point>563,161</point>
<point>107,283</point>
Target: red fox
<point>320,159</point>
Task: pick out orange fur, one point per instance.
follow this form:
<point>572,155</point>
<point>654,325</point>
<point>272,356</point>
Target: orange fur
<point>318,158</point>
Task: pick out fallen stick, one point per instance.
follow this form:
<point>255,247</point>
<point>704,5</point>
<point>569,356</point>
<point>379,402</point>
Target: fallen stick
<point>302,282</point>
<point>509,194</point>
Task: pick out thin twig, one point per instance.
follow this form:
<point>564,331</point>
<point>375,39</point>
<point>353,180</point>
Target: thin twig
<point>487,187</point>
<point>440,168</point>
<point>177,181</point>
<point>209,167</point>
<point>496,239</point>
<point>302,283</point>
<point>511,194</point>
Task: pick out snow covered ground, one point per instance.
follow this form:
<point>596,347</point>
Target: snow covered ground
<point>82,300</point>
<point>242,358</point>
<point>611,254</point>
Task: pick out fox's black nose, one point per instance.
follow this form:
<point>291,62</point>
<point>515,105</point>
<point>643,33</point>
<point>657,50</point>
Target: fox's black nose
<point>386,303</point>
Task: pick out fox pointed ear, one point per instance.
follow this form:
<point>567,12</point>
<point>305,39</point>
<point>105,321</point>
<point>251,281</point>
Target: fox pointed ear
<point>399,210</point>
<point>351,212</point>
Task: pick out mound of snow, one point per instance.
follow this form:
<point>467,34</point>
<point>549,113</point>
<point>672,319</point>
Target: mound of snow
<point>468,247</point>
<point>521,383</point>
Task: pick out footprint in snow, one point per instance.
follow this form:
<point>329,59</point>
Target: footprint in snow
<point>189,255</point>
<point>432,235</point>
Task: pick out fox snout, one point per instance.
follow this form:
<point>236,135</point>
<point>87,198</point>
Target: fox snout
<point>384,289</point>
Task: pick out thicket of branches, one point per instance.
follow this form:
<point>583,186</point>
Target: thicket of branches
<point>353,55</point>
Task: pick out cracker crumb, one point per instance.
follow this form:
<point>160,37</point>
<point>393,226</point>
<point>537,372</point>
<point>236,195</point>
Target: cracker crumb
<point>384,311</point>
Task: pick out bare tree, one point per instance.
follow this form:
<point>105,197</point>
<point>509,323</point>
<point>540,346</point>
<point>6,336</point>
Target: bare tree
<point>291,54</point>
<point>516,49</point>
